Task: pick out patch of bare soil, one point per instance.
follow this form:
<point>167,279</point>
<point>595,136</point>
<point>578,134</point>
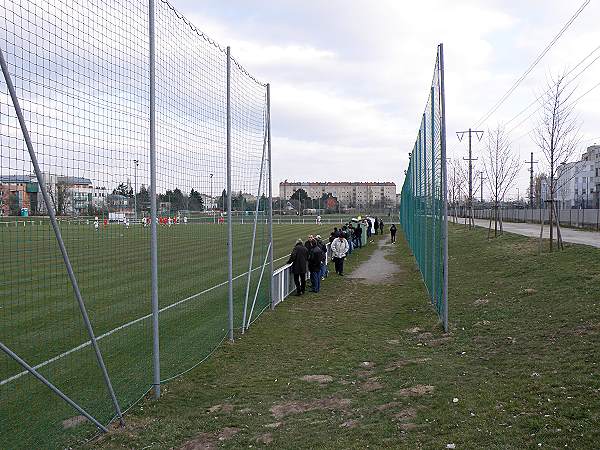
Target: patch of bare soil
<point>298,407</point>
<point>481,301</point>
<point>225,408</point>
<point>73,422</point>
<point>387,406</point>
<point>414,330</point>
<point>416,391</point>
<point>350,423</point>
<point>209,441</point>
<point>372,384</point>
<point>587,329</point>
<point>321,379</point>
<point>265,438</point>
<point>405,362</point>
<point>406,414</point>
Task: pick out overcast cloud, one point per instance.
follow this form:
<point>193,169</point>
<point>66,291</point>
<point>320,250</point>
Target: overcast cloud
<point>350,78</point>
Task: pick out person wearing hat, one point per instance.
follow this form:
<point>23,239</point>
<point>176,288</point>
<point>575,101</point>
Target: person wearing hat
<point>298,260</point>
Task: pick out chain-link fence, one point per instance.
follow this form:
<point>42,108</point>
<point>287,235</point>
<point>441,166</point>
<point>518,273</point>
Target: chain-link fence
<point>423,206</point>
<point>128,142</point>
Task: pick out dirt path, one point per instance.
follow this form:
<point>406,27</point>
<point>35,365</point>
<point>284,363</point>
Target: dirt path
<point>378,269</point>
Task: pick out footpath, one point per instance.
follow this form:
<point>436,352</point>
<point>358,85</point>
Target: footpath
<point>533,230</point>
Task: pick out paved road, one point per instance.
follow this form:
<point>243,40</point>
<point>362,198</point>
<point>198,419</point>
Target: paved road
<point>533,230</point>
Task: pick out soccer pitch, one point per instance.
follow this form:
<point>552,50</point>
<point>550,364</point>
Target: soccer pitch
<point>40,319</point>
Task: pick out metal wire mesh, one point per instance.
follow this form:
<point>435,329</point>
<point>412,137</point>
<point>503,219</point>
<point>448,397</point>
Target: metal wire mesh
<point>81,71</point>
<point>423,213</point>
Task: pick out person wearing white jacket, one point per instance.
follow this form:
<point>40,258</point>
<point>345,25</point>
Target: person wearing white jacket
<point>339,248</point>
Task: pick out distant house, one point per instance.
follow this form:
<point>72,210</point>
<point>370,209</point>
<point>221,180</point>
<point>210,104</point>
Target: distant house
<point>18,192</point>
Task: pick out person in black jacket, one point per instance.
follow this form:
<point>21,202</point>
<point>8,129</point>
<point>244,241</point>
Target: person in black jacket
<point>393,233</point>
<point>381,226</point>
<point>376,225</point>
<point>358,235</point>
<point>315,258</point>
<point>298,260</point>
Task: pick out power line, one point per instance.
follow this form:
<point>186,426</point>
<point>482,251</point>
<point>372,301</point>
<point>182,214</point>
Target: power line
<point>532,66</point>
<point>566,75</point>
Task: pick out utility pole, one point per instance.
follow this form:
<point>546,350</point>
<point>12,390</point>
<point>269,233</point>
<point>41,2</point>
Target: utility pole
<point>460,135</point>
<point>531,162</point>
<point>481,180</point>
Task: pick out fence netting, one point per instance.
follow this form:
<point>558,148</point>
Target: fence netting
<point>423,213</point>
<point>81,72</point>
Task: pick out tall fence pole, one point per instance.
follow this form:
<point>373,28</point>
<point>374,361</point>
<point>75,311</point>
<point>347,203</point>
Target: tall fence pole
<point>58,235</point>
<point>229,218</point>
<point>270,192</point>
<point>445,186</point>
<point>434,293</point>
<point>153,213</point>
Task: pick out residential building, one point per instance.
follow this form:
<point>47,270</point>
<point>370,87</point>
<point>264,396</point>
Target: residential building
<point>578,183</point>
<point>348,194</point>
<point>17,192</point>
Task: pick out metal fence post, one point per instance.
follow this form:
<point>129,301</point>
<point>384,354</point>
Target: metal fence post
<point>270,192</point>
<point>433,202</point>
<point>153,212</point>
<point>229,218</point>
<point>58,235</point>
<point>445,185</point>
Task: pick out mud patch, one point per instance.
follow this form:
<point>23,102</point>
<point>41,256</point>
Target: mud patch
<point>416,391</point>
<point>405,362</point>
<point>225,408</point>
<point>321,379</point>
<point>372,384</point>
<point>266,439</point>
<point>414,330</point>
<point>351,423</point>
<point>377,269</point>
<point>209,441</point>
<point>73,422</point>
<point>298,407</point>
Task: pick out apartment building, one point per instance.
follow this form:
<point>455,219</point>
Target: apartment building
<point>348,194</point>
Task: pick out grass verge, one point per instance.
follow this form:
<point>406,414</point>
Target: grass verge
<point>364,365</point>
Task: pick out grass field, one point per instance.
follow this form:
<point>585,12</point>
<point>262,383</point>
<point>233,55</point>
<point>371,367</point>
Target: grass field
<point>519,368</point>
<point>40,319</point>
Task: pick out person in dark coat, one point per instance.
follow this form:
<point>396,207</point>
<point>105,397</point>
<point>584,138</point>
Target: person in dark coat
<point>376,225</point>
<point>323,246</point>
<point>333,234</point>
<point>358,235</point>
<point>315,258</point>
<point>393,233</point>
<point>298,260</point>
<point>381,226</point>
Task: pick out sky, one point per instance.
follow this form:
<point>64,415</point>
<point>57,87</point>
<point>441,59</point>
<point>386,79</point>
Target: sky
<point>349,79</point>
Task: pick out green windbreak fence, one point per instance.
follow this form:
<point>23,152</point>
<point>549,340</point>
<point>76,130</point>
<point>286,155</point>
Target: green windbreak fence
<point>423,208</point>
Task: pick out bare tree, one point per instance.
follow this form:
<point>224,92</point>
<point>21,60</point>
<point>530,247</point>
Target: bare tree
<point>60,194</point>
<point>556,134</point>
<point>501,168</point>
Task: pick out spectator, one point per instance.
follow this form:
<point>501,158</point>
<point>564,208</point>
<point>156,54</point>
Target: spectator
<point>315,259</point>
<point>333,234</point>
<point>339,248</point>
<point>376,225</point>
<point>381,226</point>
<point>321,244</point>
<point>310,243</point>
<point>298,260</point>
<point>393,233</point>
<point>358,235</point>
<point>369,228</point>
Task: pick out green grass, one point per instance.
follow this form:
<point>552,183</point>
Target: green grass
<point>40,319</point>
<point>521,359</point>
